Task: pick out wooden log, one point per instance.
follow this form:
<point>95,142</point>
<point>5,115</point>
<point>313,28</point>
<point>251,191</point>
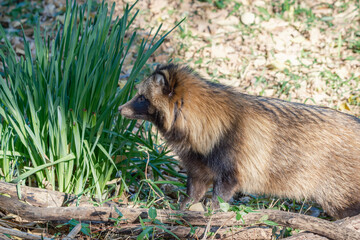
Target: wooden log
<point>350,223</point>
<point>246,233</point>
<point>46,198</point>
<point>306,236</point>
<point>130,215</point>
<point>20,234</point>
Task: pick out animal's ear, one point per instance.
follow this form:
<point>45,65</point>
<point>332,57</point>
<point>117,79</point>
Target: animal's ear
<point>160,79</point>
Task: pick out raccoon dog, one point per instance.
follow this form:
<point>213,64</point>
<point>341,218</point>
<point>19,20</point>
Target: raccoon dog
<point>253,144</point>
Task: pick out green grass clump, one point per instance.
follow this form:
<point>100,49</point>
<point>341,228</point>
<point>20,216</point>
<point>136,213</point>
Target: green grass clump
<point>59,123</point>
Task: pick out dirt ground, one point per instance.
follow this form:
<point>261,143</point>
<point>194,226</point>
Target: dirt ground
<point>303,51</point>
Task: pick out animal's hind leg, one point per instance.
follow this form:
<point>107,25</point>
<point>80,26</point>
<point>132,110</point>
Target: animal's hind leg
<point>336,210</point>
<point>197,184</point>
<point>348,212</point>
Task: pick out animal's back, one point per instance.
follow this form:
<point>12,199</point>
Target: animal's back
<point>300,151</point>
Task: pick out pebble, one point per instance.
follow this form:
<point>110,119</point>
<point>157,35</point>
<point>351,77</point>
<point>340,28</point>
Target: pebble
<point>247,18</point>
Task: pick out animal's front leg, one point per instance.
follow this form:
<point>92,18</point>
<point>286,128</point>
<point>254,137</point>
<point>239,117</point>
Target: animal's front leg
<point>224,186</point>
<point>196,187</point>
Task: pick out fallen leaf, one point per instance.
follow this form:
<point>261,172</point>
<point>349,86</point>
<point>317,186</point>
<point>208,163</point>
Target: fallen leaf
<point>344,106</point>
<point>197,207</point>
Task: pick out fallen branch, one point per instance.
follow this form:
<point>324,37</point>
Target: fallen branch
<point>46,198</point>
<point>350,223</point>
<point>255,232</point>
<point>131,215</point>
<point>20,234</point>
<point>306,236</point>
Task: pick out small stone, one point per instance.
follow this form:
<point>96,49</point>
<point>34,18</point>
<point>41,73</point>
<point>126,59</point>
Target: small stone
<point>260,61</point>
<point>247,18</point>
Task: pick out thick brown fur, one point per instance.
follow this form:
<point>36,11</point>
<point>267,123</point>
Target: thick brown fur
<point>253,144</point>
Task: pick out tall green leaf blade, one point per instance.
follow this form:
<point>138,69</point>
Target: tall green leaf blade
<point>36,169</point>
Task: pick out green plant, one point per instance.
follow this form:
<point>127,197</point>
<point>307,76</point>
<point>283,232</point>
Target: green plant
<point>10,159</point>
<point>85,229</point>
<point>294,9</point>
<point>218,3</point>
<point>333,80</point>
<point>354,44</point>
<point>264,14</point>
<point>149,226</point>
<point>58,108</point>
<point>280,7</point>
<point>119,218</point>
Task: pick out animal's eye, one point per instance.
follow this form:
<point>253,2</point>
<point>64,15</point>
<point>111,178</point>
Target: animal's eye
<point>141,99</point>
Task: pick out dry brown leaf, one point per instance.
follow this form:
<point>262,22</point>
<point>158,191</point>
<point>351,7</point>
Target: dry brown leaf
<point>197,207</point>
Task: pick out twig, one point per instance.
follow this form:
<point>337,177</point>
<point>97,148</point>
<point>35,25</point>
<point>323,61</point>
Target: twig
<point>73,232</point>
<point>221,227</point>
<point>207,228</point>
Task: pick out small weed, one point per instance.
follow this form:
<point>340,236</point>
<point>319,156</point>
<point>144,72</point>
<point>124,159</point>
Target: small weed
<point>199,61</point>
<point>292,82</point>
<point>354,100</point>
<point>119,218</point>
<point>264,14</point>
<point>285,6</point>
<point>280,232</point>
<point>327,20</point>
<point>307,13</point>
<point>184,32</point>
<point>354,44</point>
<point>149,226</point>
<point>333,80</point>
<point>235,8</point>
<point>294,11</point>
<point>218,3</point>
<point>343,7</point>
<point>85,229</point>
<point>262,81</point>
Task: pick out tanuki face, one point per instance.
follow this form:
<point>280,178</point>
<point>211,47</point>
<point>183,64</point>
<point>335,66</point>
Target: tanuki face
<point>149,100</point>
<point>136,108</point>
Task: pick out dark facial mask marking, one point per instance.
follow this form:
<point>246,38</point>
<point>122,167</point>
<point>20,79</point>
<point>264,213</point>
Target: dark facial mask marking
<point>141,105</point>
